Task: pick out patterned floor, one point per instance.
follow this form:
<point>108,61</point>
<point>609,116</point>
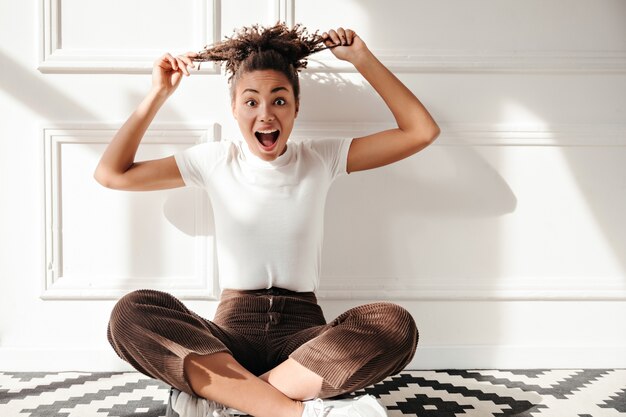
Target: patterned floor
<point>531,393</point>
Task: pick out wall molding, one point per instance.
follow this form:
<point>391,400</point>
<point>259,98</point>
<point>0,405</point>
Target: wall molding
<point>284,11</point>
<point>53,58</point>
<point>24,359</point>
<point>203,285</point>
<point>485,134</point>
<point>518,357</point>
<point>496,288</point>
<point>474,61</point>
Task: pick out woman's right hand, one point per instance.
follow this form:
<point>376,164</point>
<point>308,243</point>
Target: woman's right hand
<point>168,71</point>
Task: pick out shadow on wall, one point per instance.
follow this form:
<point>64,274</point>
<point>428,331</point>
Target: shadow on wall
<point>49,102</point>
<point>180,211</point>
<point>408,220</point>
<point>411,220</point>
<point>336,95</point>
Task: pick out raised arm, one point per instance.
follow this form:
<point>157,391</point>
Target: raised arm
<point>117,168</point>
<point>416,128</point>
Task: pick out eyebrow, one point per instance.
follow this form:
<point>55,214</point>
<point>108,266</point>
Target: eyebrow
<point>255,91</point>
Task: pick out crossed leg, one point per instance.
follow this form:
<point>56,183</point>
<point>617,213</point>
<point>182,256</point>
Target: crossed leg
<point>362,346</point>
<point>278,393</point>
<point>156,334</point>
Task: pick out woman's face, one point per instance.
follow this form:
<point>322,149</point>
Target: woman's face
<point>265,108</point>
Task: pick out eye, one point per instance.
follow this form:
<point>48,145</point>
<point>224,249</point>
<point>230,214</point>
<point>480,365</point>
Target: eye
<point>250,103</point>
<point>280,101</point>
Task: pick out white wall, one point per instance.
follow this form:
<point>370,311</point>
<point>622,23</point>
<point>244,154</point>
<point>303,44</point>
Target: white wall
<point>506,238</point>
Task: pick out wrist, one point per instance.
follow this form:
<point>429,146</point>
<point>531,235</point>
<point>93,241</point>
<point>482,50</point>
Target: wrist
<point>158,94</point>
<point>362,58</point>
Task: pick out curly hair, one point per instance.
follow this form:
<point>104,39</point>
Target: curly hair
<point>255,48</point>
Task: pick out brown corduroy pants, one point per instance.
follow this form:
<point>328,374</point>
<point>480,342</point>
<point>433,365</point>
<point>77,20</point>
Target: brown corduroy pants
<point>154,332</point>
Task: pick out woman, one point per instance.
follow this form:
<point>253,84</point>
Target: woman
<point>269,351</point>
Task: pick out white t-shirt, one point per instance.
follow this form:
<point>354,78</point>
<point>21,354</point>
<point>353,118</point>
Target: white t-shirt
<point>269,215</point>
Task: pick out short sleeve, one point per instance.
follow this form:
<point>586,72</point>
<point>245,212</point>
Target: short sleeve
<point>334,154</point>
<point>196,163</point>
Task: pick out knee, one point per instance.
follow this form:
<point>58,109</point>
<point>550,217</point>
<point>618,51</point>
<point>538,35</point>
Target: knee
<point>131,308</point>
<point>127,305</point>
<point>398,327</point>
<point>124,311</point>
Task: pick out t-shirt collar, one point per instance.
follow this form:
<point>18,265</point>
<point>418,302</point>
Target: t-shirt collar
<point>254,160</point>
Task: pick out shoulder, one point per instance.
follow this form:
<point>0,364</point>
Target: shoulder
<point>331,152</point>
<point>327,147</point>
<point>323,145</point>
<point>218,145</point>
<point>212,150</point>
<point>204,156</point>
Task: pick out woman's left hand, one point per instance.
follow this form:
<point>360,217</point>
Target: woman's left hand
<point>345,44</point>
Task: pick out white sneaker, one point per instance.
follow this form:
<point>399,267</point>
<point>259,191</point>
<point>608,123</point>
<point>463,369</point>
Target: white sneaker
<point>364,406</point>
<point>181,404</point>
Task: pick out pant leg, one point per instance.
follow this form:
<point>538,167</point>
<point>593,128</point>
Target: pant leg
<point>361,347</point>
<point>154,332</point>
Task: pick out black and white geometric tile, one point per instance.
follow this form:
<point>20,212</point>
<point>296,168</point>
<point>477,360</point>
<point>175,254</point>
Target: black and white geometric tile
<point>445,393</point>
<point>546,393</point>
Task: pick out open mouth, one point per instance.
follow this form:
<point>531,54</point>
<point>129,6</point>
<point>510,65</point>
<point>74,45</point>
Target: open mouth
<point>267,138</point>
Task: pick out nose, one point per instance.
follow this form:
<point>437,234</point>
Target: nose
<point>266,114</point>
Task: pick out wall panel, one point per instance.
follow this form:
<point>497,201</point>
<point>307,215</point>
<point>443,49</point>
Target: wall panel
<point>101,243</point>
<point>122,37</point>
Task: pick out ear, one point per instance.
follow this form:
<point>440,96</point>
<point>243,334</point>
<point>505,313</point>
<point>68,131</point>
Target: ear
<point>297,108</point>
<point>232,108</point>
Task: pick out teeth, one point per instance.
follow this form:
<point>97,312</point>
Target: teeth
<point>267,131</point>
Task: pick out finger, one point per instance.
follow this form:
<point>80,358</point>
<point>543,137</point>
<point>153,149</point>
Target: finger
<point>184,62</point>
<point>171,60</point>
<point>334,37</point>
<point>191,55</point>
<point>350,36</point>
<point>182,65</point>
<point>342,35</point>
<point>163,62</point>
<point>327,40</point>
<point>187,58</point>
